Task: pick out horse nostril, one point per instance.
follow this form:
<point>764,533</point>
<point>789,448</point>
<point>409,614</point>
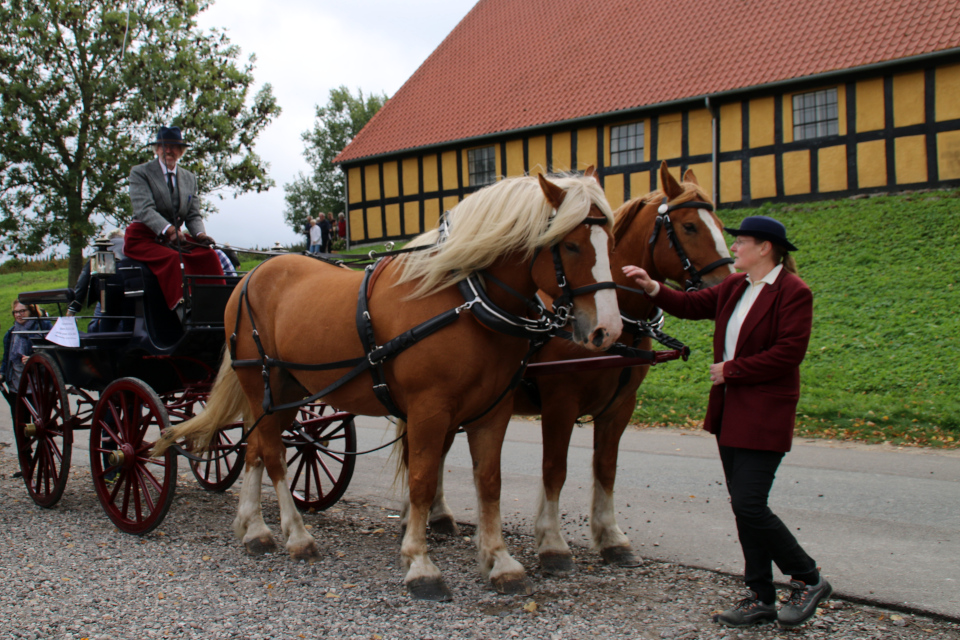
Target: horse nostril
<point>598,337</point>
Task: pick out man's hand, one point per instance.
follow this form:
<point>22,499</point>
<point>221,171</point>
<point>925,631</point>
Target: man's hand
<point>203,238</point>
<point>173,235</point>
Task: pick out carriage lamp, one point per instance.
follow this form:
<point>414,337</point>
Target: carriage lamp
<point>104,262</point>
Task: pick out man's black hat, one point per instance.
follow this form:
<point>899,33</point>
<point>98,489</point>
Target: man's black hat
<point>764,228</point>
<point>169,135</point>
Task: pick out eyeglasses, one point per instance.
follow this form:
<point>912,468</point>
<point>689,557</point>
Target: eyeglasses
<point>21,312</point>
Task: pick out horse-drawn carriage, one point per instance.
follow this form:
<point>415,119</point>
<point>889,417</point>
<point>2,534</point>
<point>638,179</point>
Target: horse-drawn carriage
<point>142,372</point>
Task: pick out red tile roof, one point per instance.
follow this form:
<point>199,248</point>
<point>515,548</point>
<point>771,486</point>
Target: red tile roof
<point>512,64</point>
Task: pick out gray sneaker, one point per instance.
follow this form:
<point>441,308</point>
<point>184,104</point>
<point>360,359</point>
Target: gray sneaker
<point>803,601</point>
<point>749,611</point>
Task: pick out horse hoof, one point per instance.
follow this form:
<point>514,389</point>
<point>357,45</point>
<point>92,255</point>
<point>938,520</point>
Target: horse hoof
<point>555,563</point>
<point>432,589</point>
<point>309,553</point>
<point>512,585</point>
<point>260,546</point>
<point>445,526</point>
<point>621,557</point>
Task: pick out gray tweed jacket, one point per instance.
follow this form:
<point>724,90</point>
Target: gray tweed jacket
<point>152,204</point>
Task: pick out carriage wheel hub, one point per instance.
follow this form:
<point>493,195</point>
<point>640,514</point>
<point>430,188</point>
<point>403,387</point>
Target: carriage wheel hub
<point>30,430</point>
<point>116,459</point>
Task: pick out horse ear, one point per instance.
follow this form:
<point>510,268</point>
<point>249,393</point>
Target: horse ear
<point>553,193</point>
<point>671,188</point>
<point>591,172</point>
<point>689,177</point>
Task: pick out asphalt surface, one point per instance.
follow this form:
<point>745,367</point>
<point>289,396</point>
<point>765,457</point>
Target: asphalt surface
<point>883,523</point>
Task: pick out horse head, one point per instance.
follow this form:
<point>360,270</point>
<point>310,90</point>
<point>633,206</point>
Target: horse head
<point>574,270</point>
<point>674,234</point>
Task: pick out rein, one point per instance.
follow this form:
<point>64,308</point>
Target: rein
<point>695,282</point>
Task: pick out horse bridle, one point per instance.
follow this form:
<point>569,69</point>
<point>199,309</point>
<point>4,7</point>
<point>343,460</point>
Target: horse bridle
<point>695,281</point>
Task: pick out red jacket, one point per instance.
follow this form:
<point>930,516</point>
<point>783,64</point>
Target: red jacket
<point>756,408</point>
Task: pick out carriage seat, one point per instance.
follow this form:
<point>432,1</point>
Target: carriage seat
<point>48,296</point>
<point>140,285</point>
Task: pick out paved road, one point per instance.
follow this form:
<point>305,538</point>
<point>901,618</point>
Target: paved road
<point>883,523</point>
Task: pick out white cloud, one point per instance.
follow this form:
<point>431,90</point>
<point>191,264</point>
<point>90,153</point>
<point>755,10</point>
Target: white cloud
<point>304,49</point>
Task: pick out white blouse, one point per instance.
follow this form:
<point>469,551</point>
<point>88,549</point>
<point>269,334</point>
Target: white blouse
<point>743,308</point>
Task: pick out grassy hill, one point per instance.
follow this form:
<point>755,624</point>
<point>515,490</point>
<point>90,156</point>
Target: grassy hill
<point>884,358</point>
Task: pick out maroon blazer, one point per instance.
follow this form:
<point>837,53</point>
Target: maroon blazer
<point>756,407</point>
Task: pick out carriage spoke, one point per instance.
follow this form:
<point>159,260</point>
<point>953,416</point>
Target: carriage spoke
<point>141,483</point>
<point>326,469</point>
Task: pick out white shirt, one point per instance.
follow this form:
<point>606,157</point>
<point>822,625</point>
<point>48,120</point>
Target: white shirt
<point>743,307</point>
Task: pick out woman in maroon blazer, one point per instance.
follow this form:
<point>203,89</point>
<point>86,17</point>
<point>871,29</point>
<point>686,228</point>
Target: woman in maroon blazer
<point>763,317</point>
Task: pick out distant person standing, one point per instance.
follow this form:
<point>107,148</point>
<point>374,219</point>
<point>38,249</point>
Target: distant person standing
<point>341,227</point>
<point>325,229</point>
<point>315,237</point>
<point>17,347</point>
<point>308,223</point>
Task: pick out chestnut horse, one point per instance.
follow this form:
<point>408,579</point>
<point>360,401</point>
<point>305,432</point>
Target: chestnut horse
<point>609,395</point>
<point>306,311</point>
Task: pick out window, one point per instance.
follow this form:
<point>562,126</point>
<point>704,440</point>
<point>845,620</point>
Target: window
<point>626,144</point>
<point>482,166</point>
<point>815,115</point>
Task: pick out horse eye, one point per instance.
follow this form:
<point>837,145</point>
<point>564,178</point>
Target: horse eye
<point>689,227</point>
<point>572,248</point>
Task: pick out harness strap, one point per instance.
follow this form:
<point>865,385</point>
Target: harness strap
<point>369,342</point>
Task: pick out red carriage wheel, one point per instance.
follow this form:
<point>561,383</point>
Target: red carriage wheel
<point>135,490</point>
<point>43,430</point>
<point>319,475</point>
<point>221,469</point>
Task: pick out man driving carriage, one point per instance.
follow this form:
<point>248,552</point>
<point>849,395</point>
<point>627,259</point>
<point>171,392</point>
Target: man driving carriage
<point>164,196</point>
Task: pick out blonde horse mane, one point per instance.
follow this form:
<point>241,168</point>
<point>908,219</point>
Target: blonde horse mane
<point>510,216</point>
<point>626,213</point>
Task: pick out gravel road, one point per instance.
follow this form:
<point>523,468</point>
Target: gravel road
<point>68,573</point>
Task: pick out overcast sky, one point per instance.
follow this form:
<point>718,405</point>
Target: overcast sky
<point>305,48</point>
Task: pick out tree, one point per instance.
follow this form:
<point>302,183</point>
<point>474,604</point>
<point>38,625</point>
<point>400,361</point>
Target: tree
<point>335,126</point>
<point>84,85</point>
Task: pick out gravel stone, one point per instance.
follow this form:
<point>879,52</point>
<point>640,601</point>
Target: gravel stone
<point>67,572</point>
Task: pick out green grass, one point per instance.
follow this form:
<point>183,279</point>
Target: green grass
<point>884,358</point>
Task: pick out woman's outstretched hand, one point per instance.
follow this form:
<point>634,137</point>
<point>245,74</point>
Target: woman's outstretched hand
<point>643,279</point>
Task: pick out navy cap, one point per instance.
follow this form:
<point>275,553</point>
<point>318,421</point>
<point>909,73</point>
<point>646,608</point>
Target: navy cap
<point>169,135</point>
<point>764,228</point>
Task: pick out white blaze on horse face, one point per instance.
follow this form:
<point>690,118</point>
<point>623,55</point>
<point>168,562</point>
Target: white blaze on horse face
<point>717,234</point>
<point>608,313</point>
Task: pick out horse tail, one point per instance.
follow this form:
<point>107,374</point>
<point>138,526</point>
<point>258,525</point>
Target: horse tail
<point>226,403</point>
<point>400,450</point>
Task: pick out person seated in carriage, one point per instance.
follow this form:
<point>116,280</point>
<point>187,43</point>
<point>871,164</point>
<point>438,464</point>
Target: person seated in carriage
<point>87,288</point>
<point>164,196</point>
<point>17,348</point>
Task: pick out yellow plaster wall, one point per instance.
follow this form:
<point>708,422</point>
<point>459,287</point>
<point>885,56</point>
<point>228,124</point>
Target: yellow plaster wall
<point>832,169</point>
<point>374,223</point>
<point>450,178</point>
<point>731,129</point>
<point>561,152</point>
<point>586,148</point>
<point>354,192</point>
<point>948,155</point>
<point>699,132</point>
<point>515,158</point>
<point>639,184</point>
<point>411,177</point>
<point>731,181</point>
<point>763,177</point>
<point>908,97</point>
<point>787,110</point>
<point>669,136</point>
<point>371,174</point>
<point>870,113</point>
<point>796,172</point>
<point>356,225</point>
<point>391,181</point>
<point>449,203</point>
<point>431,213</point>
<point>537,154</point>
<point>393,218</point>
<point>411,218</point>
<point>761,122</point>
<point>871,163</point>
<point>497,162</point>
<point>910,158</point>
<point>947,101</point>
<point>704,173</point>
<point>430,178</point>
<point>842,110</point>
<point>613,188</point>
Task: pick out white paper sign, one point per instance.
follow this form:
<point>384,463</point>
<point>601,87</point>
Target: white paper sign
<point>65,332</point>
